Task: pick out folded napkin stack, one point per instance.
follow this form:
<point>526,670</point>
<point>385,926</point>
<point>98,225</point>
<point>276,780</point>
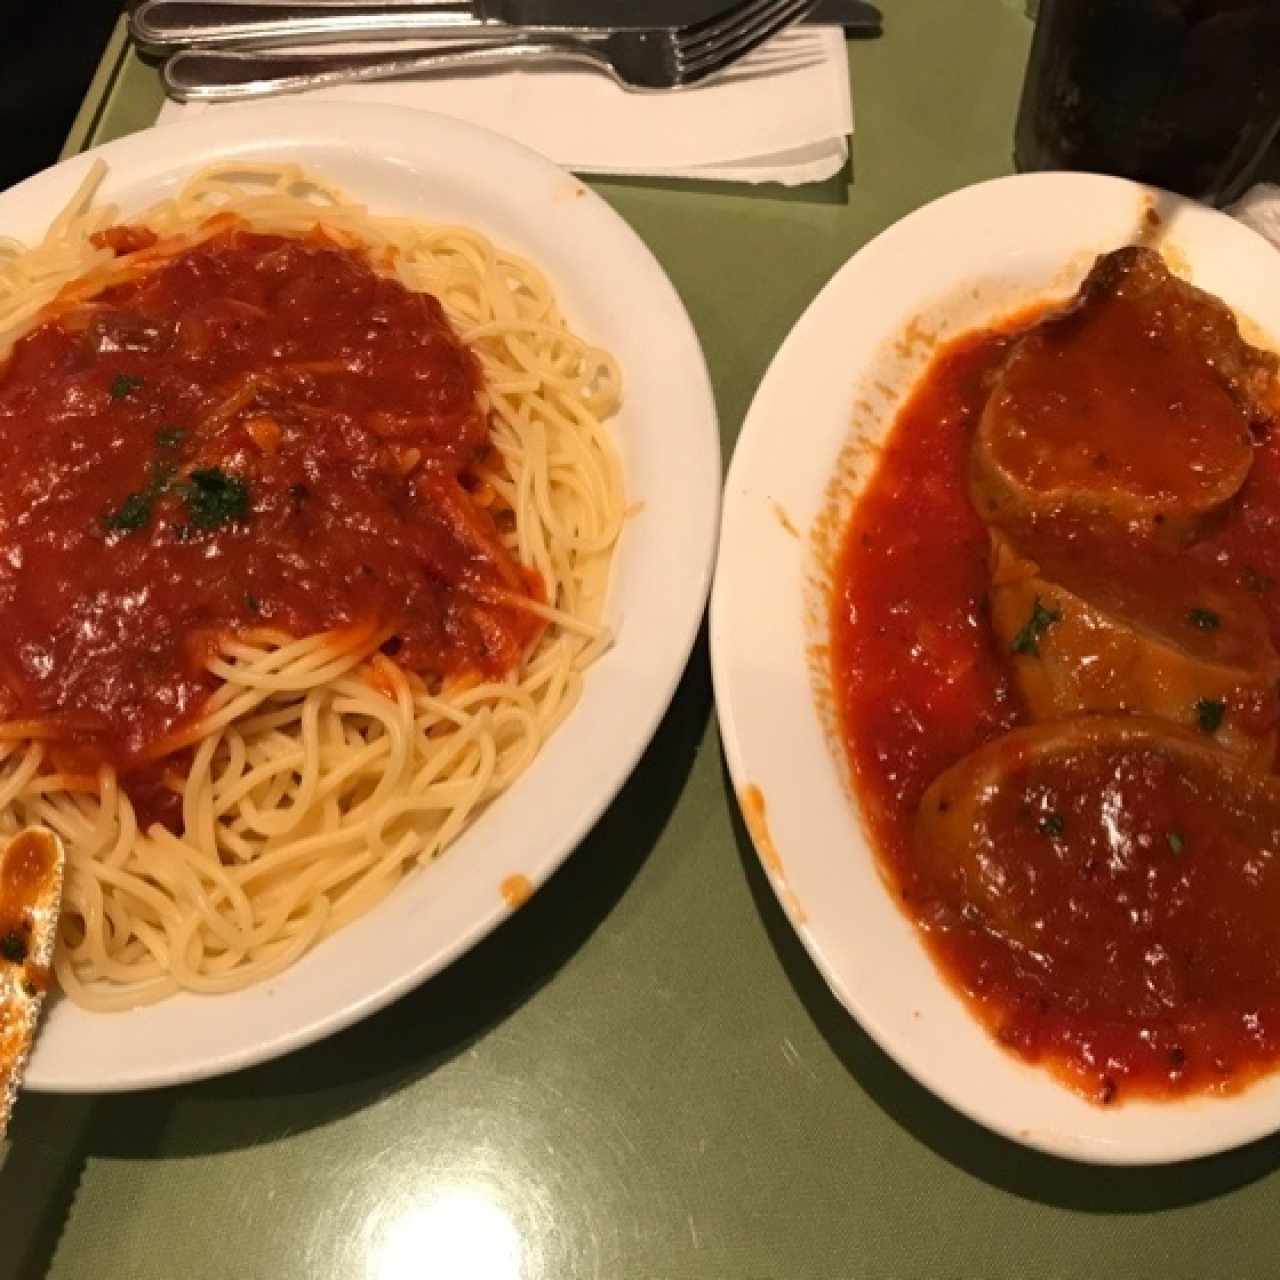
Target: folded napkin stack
<point>781,115</point>
<point>1259,208</point>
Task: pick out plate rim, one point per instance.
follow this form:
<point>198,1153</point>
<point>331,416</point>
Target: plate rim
<point>206,139</point>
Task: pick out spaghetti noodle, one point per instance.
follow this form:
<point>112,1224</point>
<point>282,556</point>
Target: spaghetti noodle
<point>351,585</point>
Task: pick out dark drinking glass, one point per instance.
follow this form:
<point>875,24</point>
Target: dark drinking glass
<point>1183,94</point>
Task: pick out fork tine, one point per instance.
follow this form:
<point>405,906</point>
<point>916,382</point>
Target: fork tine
<point>723,21</point>
<point>712,55</point>
<point>740,25</point>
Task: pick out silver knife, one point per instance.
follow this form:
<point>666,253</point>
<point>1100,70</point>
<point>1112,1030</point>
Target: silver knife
<point>163,26</point>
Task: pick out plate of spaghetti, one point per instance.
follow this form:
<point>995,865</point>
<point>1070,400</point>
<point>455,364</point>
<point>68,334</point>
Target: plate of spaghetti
<point>356,516</point>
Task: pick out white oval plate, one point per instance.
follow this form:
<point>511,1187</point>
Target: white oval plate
<point>613,292</point>
<point>964,260</point>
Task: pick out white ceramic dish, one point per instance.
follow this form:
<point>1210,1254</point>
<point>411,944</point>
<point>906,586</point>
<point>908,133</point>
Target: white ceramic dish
<point>805,449</point>
<point>612,290</point>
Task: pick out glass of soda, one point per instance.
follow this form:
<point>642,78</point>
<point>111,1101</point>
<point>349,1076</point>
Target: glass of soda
<point>1183,94</point>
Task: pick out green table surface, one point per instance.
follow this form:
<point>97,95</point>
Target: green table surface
<point>640,1076</point>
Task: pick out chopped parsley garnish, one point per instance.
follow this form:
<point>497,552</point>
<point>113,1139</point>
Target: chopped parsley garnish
<point>1027,640</point>
<point>135,511</point>
<point>1205,619</point>
<point>1209,714</point>
<point>1176,843</point>
<point>1052,825</point>
<point>13,946</point>
<point>130,516</point>
<point>214,498</point>
<point>170,437</point>
<point>124,384</point>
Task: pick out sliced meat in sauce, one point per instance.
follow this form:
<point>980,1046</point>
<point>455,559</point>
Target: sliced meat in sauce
<point>1096,627</point>
<point>1101,885</point>
<point>1129,865</point>
<point>1135,403</point>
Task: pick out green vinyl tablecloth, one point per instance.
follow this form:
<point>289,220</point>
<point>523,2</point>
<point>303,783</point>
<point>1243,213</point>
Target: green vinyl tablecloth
<point>641,1076</point>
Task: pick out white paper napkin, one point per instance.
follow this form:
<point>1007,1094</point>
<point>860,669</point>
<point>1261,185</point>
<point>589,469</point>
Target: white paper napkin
<point>1259,208</point>
<point>783,115</point>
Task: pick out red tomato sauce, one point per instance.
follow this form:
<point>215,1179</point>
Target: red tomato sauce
<point>262,432</point>
<point>920,683</point>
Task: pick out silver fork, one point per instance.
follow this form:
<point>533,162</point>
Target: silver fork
<point>641,61</point>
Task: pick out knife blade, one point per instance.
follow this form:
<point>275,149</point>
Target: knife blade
<point>162,26</point>
<point>31,871</point>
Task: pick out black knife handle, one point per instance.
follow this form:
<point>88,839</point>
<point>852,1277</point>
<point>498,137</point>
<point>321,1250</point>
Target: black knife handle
<point>857,17</point>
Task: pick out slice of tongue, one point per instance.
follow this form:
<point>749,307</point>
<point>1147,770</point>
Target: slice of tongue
<point>1134,405</point>
<point>1128,860</point>
<point>1097,626</point>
